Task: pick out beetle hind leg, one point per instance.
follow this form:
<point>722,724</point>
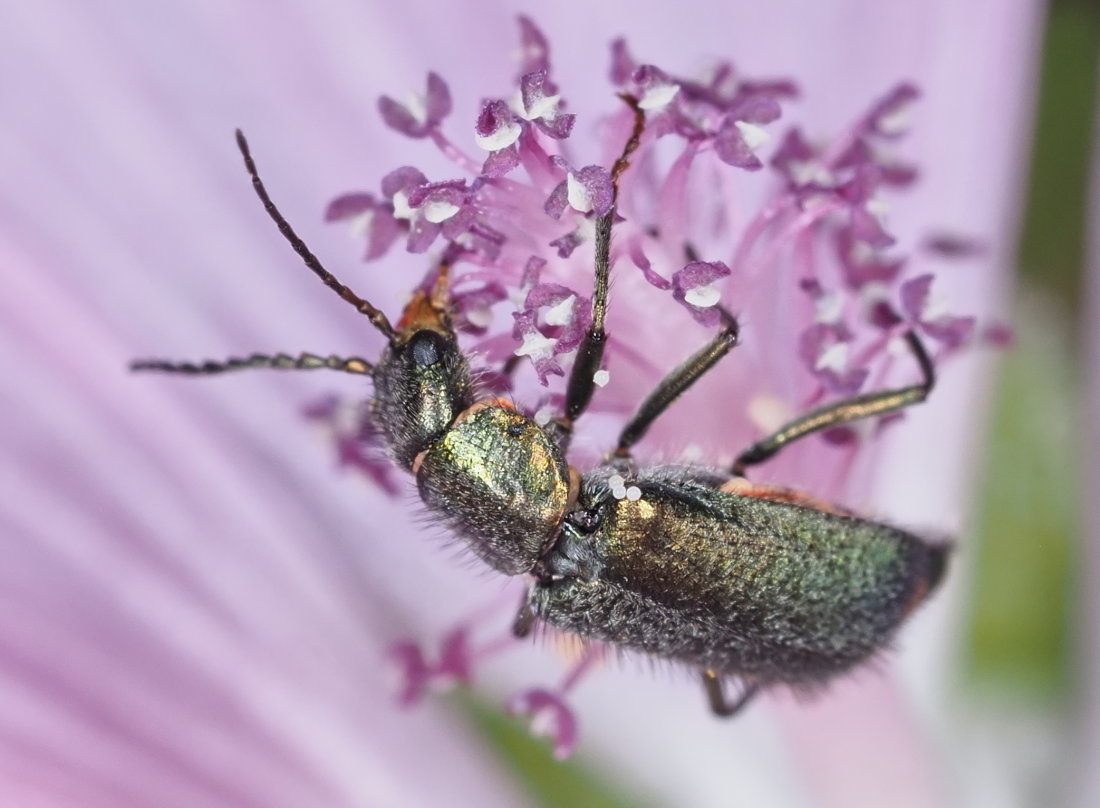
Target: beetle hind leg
<point>845,411</point>
<point>719,705</point>
<point>524,621</point>
<point>672,386</point>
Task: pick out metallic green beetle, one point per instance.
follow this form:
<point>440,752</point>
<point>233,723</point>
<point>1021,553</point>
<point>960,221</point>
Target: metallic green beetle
<point>758,584</point>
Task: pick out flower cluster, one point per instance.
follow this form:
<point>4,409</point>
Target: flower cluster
<point>518,225</point>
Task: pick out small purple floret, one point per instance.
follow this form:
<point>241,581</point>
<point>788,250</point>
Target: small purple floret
<point>732,148</point>
<point>540,105</point>
<point>549,716</point>
<point>497,129</point>
<point>566,244</point>
<point>861,266</point>
<point>948,329</point>
<point>418,123</point>
<point>817,345</point>
<point>381,228</point>
<point>693,286</point>
<point>417,675</point>
<point>536,49</point>
<point>402,179</point>
<point>357,440</point>
<point>588,190</point>
<point>501,162</point>
<point>887,117</point>
<point>622,63</point>
<point>536,345</point>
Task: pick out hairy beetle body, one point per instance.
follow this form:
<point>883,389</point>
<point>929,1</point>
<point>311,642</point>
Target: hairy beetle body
<point>770,591</point>
<point>757,583</point>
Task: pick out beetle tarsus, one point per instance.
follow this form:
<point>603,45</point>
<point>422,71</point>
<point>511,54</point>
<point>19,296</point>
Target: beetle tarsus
<point>525,618</point>
<point>717,697</point>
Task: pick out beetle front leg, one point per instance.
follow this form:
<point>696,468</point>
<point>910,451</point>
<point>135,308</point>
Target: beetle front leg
<point>581,384</point>
<point>525,618</point>
<point>843,412</point>
<point>717,698</point>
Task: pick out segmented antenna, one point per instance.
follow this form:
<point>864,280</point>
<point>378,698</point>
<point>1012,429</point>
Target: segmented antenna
<point>281,361</point>
<point>377,318</point>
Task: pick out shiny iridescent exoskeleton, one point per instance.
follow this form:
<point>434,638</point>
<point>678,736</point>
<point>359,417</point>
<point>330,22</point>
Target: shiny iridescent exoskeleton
<point>760,584</point>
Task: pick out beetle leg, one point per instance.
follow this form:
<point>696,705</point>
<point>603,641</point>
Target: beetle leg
<point>717,698</point>
<point>525,618</point>
<point>842,412</point>
<point>304,361</point>
<point>581,385</point>
<point>675,383</point>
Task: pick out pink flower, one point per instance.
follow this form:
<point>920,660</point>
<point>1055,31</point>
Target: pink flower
<point>198,607</point>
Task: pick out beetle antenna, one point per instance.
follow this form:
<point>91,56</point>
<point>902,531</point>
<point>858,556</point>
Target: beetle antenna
<point>377,318</point>
<point>281,361</point>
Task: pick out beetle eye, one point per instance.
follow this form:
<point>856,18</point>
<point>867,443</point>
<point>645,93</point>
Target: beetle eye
<point>425,348</point>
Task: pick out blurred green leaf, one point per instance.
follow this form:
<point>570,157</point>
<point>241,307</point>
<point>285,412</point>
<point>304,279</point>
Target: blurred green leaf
<point>1052,248</point>
<point>1020,622</point>
<point>550,782</point>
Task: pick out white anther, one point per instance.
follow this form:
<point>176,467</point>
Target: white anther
<point>658,96</point>
<point>439,211</point>
<point>535,344</point>
<point>828,308</point>
<point>417,106</point>
<point>805,172</point>
<point>936,307</point>
<point>543,416</point>
<point>600,378</point>
<point>401,209</point>
<point>577,194</point>
<point>801,172</point>
<point>479,316</point>
<point>359,224</point>
<point>560,313</point>
<point>872,293</point>
<point>544,107</point>
<point>500,138</point>
<point>897,121</point>
<point>753,135</point>
<point>862,253</point>
<point>878,207</point>
<point>815,201</point>
<point>544,723</point>
<point>702,296</point>
<point>835,357</point>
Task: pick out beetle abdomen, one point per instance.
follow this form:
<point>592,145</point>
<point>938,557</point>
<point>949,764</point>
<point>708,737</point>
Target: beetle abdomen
<point>771,591</point>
